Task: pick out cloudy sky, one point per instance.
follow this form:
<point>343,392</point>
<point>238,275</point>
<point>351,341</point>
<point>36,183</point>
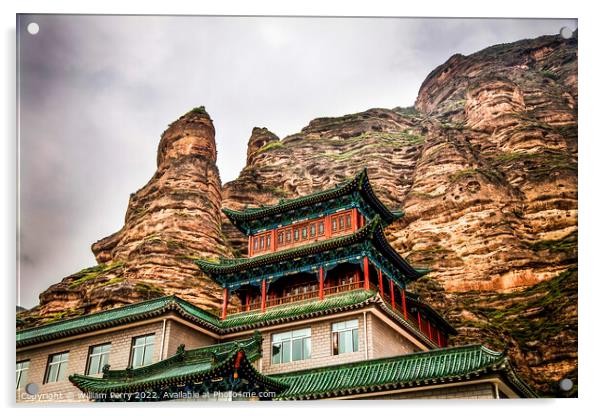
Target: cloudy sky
<point>96,93</point>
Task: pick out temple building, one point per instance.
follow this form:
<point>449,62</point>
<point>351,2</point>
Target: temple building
<point>318,310</point>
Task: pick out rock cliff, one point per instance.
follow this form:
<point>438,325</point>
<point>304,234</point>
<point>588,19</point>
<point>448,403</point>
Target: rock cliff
<point>484,165</point>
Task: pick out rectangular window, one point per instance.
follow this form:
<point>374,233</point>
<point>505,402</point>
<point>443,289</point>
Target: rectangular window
<point>98,357</point>
<point>255,243</point>
<point>341,223</point>
<point>296,234</point>
<point>57,367</point>
<point>22,370</point>
<point>280,238</point>
<point>142,350</point>
<point>304,233</point>
<point>348,220</point>
<point>261,242</point>
<point>334,224</point>
<point>268,241</point>
<point>345,337</point>
<point>288,236</point>
<point>291,346</point>
<point>312,230</point>
<point>321,228</point>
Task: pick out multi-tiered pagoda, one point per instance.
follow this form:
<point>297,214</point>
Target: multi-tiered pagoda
<point>319,245</point>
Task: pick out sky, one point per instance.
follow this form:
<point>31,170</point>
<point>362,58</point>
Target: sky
<point>96,92</point>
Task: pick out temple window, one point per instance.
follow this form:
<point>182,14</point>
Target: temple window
<point>341,223</point>
<point>142,350</point>
<point>304,233</point>
<point>280,238</point>
<point>296,232</point>
<point>345,337</point>
<point>98,356</point>
<point>348,220</point>
<point>312,230</point>
<point>291,346</point>
<point>288,236</point>
<point>255,243</point>
<point>321,228</point>
<point>268,241</point>
<point>57,367</point>
<point>22,370</point>
<point>261,243</point>
<point>334,224</point>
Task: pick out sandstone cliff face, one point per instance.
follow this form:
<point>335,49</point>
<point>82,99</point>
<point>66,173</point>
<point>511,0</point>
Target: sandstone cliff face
<point>484,165</point>
<point>173,217</point>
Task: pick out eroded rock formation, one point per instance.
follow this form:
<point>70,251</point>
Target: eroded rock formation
<point>484,165</point>
<point>174,217</point>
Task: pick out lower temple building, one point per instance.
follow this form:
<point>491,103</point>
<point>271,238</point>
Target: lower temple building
<point>318,310</point>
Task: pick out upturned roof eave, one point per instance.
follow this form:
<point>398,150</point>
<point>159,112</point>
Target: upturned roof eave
<point>359,183</point>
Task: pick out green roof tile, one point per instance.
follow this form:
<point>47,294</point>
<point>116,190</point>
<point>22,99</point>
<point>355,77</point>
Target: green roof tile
<point>359,183</point>
<point>201,364</point>
<point>430,367</point>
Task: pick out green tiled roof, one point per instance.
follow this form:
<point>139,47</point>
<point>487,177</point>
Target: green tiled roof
<point>359,183</point>
<point>411,370</point>
<point>300,310</point>
<point>343,301</point>
<point>371,232</point>
<point>202,364</point>
<point>114,317</point>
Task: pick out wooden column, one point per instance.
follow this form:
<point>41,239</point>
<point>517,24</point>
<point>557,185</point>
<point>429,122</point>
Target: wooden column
<point>225,303</point>
<point>366,274</point>
<point>428,326</point>
<point>439,337</point>
<point>248,300</point>
<point>380,283</point>
<point>250,249</point>
<point>328,226</point>
<point>392,293</point>
<point>403,304</point>
<point>419,321</point>
<point>321,283</point>
<point>263,295</point>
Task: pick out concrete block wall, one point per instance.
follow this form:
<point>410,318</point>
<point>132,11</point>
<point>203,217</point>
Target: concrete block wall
<point>321,345</point>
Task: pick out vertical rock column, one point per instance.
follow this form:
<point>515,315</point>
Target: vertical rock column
<point>174,217</point>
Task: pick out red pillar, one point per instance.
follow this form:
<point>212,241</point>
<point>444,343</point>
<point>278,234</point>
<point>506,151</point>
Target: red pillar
<point>328,226</point>
<point>248,301</point>
<point>366,274</point>
<point>354,221</point>
<point>438,337</point>
<point>403,304</point>
<point>380,283</point>
<point>250,249</point>
<point>419,321</point>
<point>263,295</point>
<point>225,303</point>
<point>428,325</point>
<point>392,293</point>
<point>321,283</point>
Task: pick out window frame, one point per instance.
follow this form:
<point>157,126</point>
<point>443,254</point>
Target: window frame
<point>50,364</point>
<point>133,347</point>
<point>101,354</point>
<point>336,334</point>
<point>22,373</point>
<point>290,339</point>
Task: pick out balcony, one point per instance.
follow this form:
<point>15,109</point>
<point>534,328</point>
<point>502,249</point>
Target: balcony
<point>301,293</point>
